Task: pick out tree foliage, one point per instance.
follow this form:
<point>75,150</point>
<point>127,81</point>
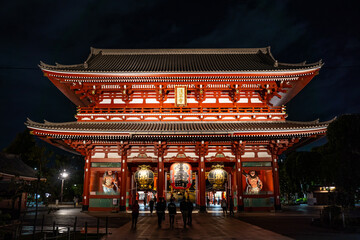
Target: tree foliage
<point>335,163</point>
<point>343,156</point>
<point>49,164</point>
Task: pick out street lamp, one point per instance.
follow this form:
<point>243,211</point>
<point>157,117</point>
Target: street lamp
<point>63,176</point>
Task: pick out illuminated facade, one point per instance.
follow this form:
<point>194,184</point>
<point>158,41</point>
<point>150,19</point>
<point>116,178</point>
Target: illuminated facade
<point>198,106</point>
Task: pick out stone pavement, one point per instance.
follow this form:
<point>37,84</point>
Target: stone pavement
<point>205,226</point>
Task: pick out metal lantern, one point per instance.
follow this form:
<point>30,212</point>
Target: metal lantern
<point>217,177</point>
<point>180,175</point>
<point>144,177</point>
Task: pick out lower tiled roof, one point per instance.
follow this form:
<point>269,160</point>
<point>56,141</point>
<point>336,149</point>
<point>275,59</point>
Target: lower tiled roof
<point>174,127</point>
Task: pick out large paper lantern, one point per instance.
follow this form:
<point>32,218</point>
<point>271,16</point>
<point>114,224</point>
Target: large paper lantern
<point>217,177</point>
<point>144,177</point>
<point>180,175</point>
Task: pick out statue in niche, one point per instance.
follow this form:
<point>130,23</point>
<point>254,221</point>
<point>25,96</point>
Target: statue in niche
<point>253,182</point>
<point>109,182</point>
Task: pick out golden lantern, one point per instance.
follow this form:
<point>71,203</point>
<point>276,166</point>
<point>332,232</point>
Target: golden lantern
<point>144,177</point>
<point>218,177</point>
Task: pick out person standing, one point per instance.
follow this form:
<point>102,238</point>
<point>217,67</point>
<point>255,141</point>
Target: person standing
<point>135,213</point>
<point>190,209</point>
<point>224,205</point>
<point>184,211</point>
<point>172,212</point>
<point>231,206</point>
<point>151,205</point>
<point>160,210</point>
<point>75,199</point>
<point>145,201</point>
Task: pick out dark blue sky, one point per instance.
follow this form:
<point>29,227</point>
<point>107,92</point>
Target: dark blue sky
<point>64,31</point>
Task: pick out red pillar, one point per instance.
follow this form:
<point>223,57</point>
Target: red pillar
<point>275,168</point>
<point>123,179</point>
<point>161,178</point>
<point>86,190</point>
<point>202,184</point>
<point>239,189</point>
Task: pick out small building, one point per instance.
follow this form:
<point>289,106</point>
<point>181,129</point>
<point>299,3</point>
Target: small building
<point>159,107</point>
<point>14,174</point>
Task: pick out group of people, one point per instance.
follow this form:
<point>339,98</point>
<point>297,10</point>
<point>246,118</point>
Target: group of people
<point>186,208</point>
<point>224,205</point>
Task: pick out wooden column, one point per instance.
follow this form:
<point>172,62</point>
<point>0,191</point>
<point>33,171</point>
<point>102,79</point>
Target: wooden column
<point>202,184</point>
<point>123,179</point>
<point>161,178</point>
<point>86,189</point>
<point>239,185</point>
<point>201,149</point>
<point>275,168</point>
<point>233,190</point>
<point>238,149</point>
<point>160,166</point>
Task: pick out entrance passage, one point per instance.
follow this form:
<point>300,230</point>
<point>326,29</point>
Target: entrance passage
<point>213,200</point>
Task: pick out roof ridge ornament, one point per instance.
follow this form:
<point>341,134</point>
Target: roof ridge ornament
<point>276,63</point>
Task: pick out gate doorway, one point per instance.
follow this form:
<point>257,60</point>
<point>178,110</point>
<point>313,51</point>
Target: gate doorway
<point>213,199</point>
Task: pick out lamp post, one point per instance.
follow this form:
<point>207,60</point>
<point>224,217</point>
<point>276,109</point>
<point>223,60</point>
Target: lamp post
<point>63,176</point>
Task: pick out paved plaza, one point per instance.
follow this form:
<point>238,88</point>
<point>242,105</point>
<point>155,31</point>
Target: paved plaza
<point>205,226</point>
<point>291,223</point>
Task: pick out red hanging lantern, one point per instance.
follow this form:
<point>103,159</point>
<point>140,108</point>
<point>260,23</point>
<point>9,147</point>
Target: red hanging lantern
<point>181,175</point>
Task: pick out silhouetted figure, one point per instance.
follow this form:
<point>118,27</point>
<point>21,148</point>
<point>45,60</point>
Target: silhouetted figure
<point>145,202</point>
<point>231,206</point>
<point>160,210</point>
<point>184,211</point>
<point>135,213</point>
<point>75,200</point>
<point>224,205</point>
<point>190,209</point>
<point>172,212</point>
<point>151,205</point>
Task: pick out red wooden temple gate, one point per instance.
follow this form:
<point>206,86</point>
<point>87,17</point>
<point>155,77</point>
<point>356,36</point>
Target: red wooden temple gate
<point>199,106</point>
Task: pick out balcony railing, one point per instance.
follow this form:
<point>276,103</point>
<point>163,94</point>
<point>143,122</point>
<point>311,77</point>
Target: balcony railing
<point>181,114</point>
<point>179,110</point>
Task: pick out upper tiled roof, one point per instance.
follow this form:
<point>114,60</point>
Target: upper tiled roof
<point>163,128</point>
<point>180,60</point>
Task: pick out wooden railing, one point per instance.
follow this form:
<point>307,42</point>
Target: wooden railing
<point>179,110</point>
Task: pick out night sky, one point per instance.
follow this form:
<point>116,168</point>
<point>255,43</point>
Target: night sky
<point>64,31</point>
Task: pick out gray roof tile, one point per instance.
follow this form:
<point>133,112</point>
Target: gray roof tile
<point>180,60</point>
<point>179,127</point>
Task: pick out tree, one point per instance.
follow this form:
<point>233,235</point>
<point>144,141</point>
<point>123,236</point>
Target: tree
<point>342,153</point>
<point>300,172</point>
<point>23,145</point>
<point>335,163</point>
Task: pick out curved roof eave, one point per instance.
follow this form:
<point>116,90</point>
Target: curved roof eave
<point>144,73</point>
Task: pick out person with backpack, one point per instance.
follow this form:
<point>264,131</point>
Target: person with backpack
<point>151,205</point>
<point>134,214</point>
<point>160,210</point>
<point>172,212</point>
<point>190,209</point>
<point>184,211</point>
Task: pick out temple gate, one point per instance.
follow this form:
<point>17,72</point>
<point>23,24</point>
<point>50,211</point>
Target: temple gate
<point>203,107</point>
